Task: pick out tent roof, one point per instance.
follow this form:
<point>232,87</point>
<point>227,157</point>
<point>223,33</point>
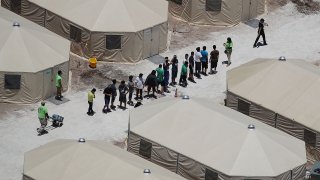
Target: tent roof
<point>30,47</point>
<point>290,88</point>
<point>110,15</point>
<point>68,159</point>
<point>218,137</point>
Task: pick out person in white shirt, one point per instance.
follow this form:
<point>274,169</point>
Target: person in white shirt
<point>197,60</point>
<point>139,84</point>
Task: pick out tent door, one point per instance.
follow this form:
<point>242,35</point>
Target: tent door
<point>155,40</point>
<point>245,10</point>
<point>48,83</point>
<point>147,41</point>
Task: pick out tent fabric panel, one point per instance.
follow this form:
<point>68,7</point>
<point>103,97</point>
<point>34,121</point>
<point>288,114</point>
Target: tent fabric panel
<point>230,13</point>
<point>29,92</point>
<point>262,114</point>
<point>164,157</point>
<point>33,12</point>
<point>232,101</point>
<point>298,173</point>
<point>181,11</point>
<point>5,4</point>
<point>318,140</point>
<point>261,6</point>
<point>163,37</point>
<point>132,47</point>
<point>155,40</point>
<point>289,127</point>
<point>134,143</point>
<point>190,169</point>
<point>61,26</point>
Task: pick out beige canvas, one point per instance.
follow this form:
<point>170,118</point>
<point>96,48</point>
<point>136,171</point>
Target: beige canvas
<point>98,18</point>
<point>217,138</point>
<point>98,160</point>
<point>232,12</point>
<point>36,67</point>
<point>289,88</point>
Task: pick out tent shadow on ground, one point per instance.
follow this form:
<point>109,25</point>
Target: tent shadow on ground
<point>254,23</point>
<point>157,59</point>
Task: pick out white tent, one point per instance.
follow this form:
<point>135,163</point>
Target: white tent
<point>197,138</point>
<point>283,94</point>
<point>216,12</point>
<point>90,160</point>
<point>30,57</point>
<point>112,30</point>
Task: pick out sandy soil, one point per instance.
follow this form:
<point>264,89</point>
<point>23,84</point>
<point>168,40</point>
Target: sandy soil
<point>290,33</point>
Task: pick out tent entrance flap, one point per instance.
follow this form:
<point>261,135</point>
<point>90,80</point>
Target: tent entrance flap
<point>147,38</point>
<point>245,10</point>
<point>48,86</point>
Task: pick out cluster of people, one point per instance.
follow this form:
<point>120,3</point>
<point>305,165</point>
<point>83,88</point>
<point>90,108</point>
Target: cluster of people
<point>157,82</point>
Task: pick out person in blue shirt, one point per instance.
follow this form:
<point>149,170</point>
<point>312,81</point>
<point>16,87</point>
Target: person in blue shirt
<point>204,60</point>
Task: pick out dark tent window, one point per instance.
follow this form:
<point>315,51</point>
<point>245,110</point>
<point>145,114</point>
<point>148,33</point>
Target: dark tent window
<point>15,6</point>
<point>177,1</point>
<point>310,137</point>
<point>145,148</point>
<point>210,175</point>
<point>75,33</point>
<point>213,5</point>
<point>12,81</point>
<point>113,42</point>
<point>243,107</point>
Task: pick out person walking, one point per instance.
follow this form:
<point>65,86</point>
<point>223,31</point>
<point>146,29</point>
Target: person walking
<point>43,118</point>
<point>139,84</point>
<point>107,96</point>
<point>131,89</point>
<point>59,85</point>
<point>151,83</point>
<point>91,96</point>
<point>204,60</point>
<point>197,58</point>
<point>228,49</point>
<point>123,91</point>
<point>114,93</point>
<point>261,33</point>
<point>174,70</point>
<point>214,58</point>
<point>183,74</point>
<point>160,74</point>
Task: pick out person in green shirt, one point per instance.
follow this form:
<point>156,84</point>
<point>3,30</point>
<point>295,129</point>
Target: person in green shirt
<point>183,75</point>
<point>160,78</point>
<point>59,85</point>
<point>228,49</point>
<point>91,96</point>
<point>43,118</point>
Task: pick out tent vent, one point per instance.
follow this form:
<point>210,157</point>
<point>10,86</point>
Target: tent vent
<point>146,171</point>
<point>185,97</point>
<point>251,127</point>
<point>82,140</point>
<point>282,58</point>
<point>16,24</point>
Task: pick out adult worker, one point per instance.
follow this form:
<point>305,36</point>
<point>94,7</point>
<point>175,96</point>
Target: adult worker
<point>43,118</point>
<point>59,85</point>
<point>91,96</point>
<point>261,33</point>
<point>228,49</point>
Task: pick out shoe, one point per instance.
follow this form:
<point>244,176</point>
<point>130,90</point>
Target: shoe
<point>254,46</point>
